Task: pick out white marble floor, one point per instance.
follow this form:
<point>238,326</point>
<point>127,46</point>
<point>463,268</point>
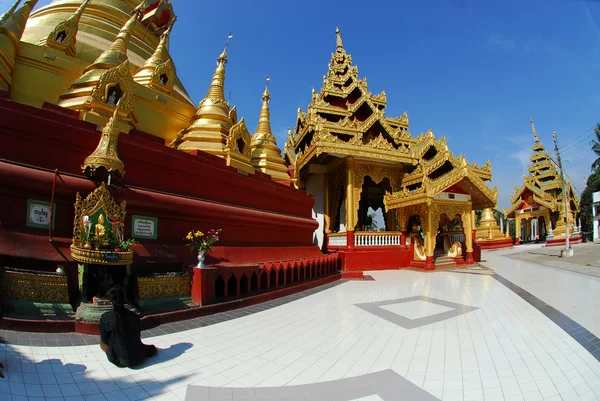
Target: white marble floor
<point>475,340</point>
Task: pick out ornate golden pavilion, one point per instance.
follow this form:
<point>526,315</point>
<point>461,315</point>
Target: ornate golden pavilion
<point>537,206</point>
<point>101,58</point>
<point>352,158</point>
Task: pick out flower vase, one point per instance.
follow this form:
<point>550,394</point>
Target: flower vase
<point>200,264</point>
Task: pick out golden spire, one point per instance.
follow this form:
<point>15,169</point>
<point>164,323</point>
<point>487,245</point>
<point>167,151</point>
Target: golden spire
<point>160,56</point>
<point>263,131</point>
<point>106,154</point>
<point>64,34</point>
<point>4,17</point>
<point>535,137</point>
<point>266,156</point>
<point>116,54</point>
<point>338,39</point>
<point>217,85</point>
<point>15,24</point>
<point>209,128</point>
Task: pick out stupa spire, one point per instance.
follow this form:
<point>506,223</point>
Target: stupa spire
<point>4,17</point>
<point>116,54</point>
<point>535,136</point>
<point>14,26</point>
<point>210,126</point>
<point>264,121</point>
<point>11,32</point>
<point>338,40</point>
<point>149,71</point>
<point>106,154</point>
<point>64,34</point>
<point>217,85</point>
<point>266,156</point>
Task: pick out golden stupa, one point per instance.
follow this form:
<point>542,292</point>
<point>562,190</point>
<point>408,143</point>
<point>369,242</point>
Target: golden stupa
<point>67,45</point>
<point>488,229</point>
<point>266,156</point>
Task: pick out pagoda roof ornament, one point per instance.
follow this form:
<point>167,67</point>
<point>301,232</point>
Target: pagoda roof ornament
<point>4,17</point>
<point>535,136</point>
<point>14,26</point>
<point>338,40</point>
<point>106,154</point>
<point>116,53</point>
<point>64,35</point>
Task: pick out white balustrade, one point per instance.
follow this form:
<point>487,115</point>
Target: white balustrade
<point>380,239</point>
<point>337,240</point>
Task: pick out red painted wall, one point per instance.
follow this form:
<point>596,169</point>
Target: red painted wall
<point>261,220</point>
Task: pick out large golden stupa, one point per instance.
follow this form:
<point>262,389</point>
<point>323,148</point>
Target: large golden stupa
<point>62,41</point>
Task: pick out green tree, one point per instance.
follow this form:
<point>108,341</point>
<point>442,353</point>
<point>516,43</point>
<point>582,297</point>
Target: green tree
<point>596,147</point>
<point>586,201</point>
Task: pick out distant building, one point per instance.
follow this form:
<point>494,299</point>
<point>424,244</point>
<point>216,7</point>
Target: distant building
<point>596,214</point>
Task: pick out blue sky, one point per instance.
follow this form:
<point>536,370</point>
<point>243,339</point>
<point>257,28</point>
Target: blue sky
<point>474,71</point>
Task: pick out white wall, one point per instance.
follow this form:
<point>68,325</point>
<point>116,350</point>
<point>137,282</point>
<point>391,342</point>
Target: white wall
<point>315,187</point>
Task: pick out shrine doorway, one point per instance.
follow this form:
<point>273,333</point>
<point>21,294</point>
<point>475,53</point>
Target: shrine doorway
<point>372,214</point>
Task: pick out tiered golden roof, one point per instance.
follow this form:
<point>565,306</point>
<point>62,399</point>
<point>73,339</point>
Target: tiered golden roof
<point>11,31</point>
<point>266,156</point>
<point>542,189</point>
<point>345,119</point>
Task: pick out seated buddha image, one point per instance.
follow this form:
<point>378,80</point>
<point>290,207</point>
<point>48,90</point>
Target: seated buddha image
<point>100,237</point>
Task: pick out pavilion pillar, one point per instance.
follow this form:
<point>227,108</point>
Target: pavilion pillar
<point>326,211</point>
<point>402,224</point>
<point>517,231</point>
<point>469,221</point>
<point>430,235</point>
<point>350,212</point>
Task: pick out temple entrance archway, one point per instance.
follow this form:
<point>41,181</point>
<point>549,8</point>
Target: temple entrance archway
<point>372,214</point>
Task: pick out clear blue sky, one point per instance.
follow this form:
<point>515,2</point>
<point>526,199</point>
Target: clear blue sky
<point>472,70</point>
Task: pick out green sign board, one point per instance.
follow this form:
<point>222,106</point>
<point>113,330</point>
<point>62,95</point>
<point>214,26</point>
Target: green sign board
<point>38,214</point>
<point>144,227</point>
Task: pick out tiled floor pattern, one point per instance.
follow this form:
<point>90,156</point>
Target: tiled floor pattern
<point>504,349</point>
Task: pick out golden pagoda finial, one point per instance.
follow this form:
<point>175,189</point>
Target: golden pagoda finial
<point>217,85</point>
<point>106,154</point>
<point>116,54</point>
<point>266,156</point>
<point>9,12</point>
<point>150,71</point>
<point>264,124</point>
<point>338,40</point>
<point>64,35</point>
<point>535,137</point>
<point>222,59</point>
<point>14,26</point>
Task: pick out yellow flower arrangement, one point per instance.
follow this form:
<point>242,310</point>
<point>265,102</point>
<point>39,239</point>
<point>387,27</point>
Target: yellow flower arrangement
<point>199,241</point>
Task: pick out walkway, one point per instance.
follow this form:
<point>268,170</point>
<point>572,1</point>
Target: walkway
<point>405,336</point>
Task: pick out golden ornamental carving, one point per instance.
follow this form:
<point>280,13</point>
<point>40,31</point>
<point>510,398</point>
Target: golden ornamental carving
<point>106,154</point>
<point>381,143</point>
<point>116,76</point>
<point>239,132</point>
<point>97,227</point>
<point>166,69</point>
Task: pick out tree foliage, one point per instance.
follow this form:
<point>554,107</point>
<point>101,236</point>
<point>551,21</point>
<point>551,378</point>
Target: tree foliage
<point>586,201</point>
<point>596,147</point>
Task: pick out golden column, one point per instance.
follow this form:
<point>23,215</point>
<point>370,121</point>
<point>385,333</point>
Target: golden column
<point>517,231</point>
<point>469,223</point>
<point>430,235</point>
<point>402,224</point>
<point>349,205</point>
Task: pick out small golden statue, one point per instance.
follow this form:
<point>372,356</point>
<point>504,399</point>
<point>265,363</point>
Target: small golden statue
<point>100,233</point>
